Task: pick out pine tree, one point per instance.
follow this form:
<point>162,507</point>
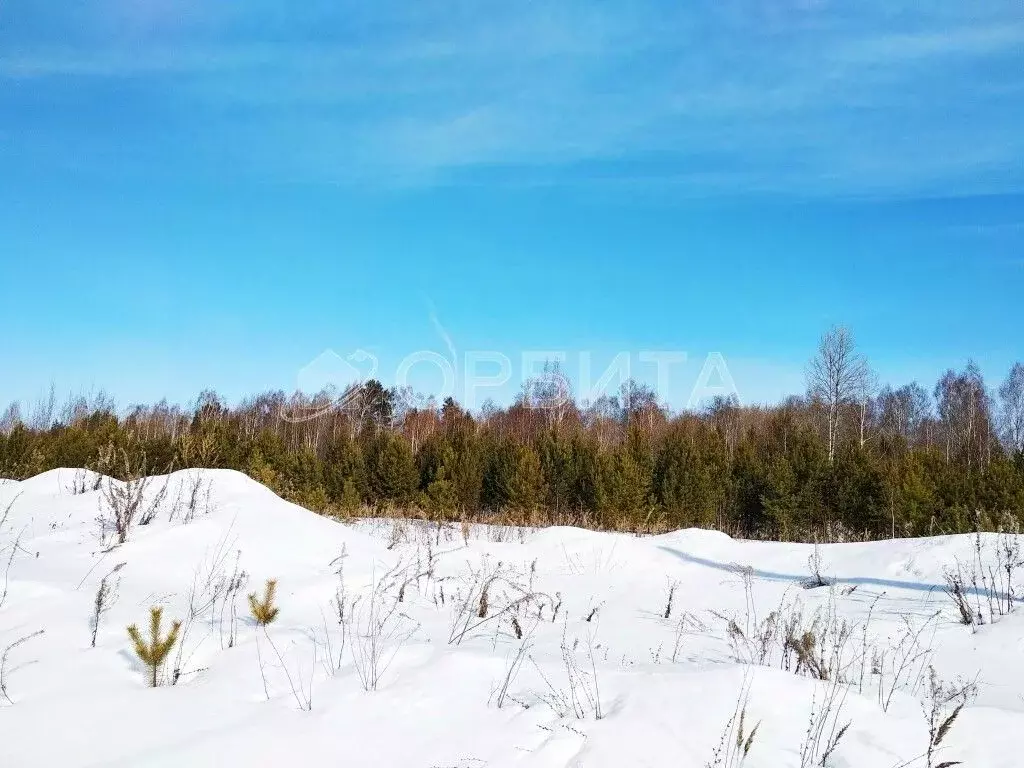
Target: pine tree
<point>153,652</point>
<point>391,468</point>
<point>692,475</point>
<point>259,469</point>
<point>469,462</point>
<point>264,611</point>
<point>305,483</point>
<point>624,487</point>
<point>514,477</point>
<point>527,488</point>
<point>344,473</point>
<point>350,499</point>
<point>441,500</point>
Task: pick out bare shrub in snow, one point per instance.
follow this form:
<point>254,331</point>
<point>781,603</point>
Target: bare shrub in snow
<point>757,645</point>
<point>687,625</point>
<point>151,507</point>
<point>514,663</point>
<point>398,533</point>
<point>755,640</point>
<point>264,613</point>
<point>956,589</point>
<point>580,695</point>
<point>815,565</point>
<point>900,663</point>
<point>7,511</point>
<point>1009,557</point>
<point>123,502</point>
<point>378,630</point>
<point>340,599</point>
<point>106,596</point>
<point>824,646</point>
<point>942,706</point>
<point>735,742</point>
<point>821,647</point>
<point>208,598</point>
<point>331,638</point>
<point>193,498</point>
<point>334,623</point>
<point>489,594</point>
<point>818,646</point>
<point>84,481</point>
<point>153,651</point>
<point>824,732</point>
<point>985,588</point>
<point>483,602</point>
<point>227,611</point>
<point>79,482</point>
<point>672,586</point>
<point>302,691</point>
<point>4,692</point>
<point>10,549</point>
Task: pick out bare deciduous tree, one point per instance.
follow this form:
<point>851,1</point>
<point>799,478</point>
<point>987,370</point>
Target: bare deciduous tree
<point>866,405</point>
<point>837,375</point>
<point>965,411</point>
<point>11,418</point>
<point>904,412</point>
<point>1011,407</point>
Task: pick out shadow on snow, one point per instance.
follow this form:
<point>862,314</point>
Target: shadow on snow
<point>736,568</point>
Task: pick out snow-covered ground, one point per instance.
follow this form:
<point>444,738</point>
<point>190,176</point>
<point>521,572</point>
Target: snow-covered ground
<point>599,676</point>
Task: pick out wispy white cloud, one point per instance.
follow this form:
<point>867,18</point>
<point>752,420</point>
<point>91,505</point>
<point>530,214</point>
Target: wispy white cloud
<point>929,44</point>
<point>804,96</point>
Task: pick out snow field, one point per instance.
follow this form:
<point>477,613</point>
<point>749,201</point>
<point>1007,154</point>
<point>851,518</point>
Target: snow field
<point>478,646</point>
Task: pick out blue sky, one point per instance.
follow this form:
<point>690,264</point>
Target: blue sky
<point>198,195</point>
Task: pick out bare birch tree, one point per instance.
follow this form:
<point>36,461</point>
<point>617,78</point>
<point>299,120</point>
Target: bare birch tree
<point>866,404</point>
<point>1011,402</point>
<point>837,375</point>
<point>965,411</point>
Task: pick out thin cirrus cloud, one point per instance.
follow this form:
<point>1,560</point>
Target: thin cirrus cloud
<point>802,97</point>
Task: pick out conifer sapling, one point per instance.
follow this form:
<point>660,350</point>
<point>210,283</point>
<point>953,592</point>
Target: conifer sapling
<point>153,652</point>
<point>264,611</point>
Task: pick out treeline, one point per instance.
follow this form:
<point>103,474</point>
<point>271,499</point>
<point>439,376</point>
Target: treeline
<point>841,461</point>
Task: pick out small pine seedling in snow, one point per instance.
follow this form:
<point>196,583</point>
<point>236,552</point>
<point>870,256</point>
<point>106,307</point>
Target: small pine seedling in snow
<point>264,611</point>
<point>153,652</point>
